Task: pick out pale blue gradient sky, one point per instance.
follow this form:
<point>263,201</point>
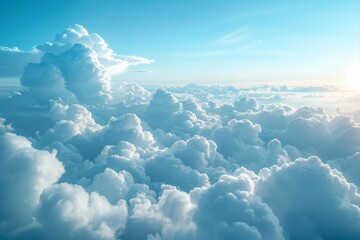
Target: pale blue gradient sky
<point>219,42</point>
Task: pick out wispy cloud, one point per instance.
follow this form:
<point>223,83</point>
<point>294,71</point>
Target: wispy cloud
<point>232,37</point>
<point>244,49</point>
<point>142,71</point>
<point>238,42</point>
<point>256,14</point>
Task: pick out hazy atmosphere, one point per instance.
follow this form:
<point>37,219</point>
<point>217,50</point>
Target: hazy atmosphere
<point>180,120</point>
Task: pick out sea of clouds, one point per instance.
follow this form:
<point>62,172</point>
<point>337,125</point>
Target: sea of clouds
<point>80,159</point>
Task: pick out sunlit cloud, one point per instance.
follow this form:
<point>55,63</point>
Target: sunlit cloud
<point>83,159</point>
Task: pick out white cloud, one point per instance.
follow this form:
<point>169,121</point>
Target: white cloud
<point>349,167</point>
<point>25,173</point>
<point>68,211</point>
<point>161,107</point>
<point>71,120</point>
<point>229,210</point>
<point>114,186</point>
<point>81,159</point>
<point>244,104</point>
<point>77,34</point>
<point>13,60</point>
<point>167,169</point>
<point>312,196</point>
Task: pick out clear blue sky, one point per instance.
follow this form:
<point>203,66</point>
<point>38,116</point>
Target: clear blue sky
<point>223,42</point>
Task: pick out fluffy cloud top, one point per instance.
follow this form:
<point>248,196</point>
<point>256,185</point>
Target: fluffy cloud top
<point>313,196</point>
<point>77,34</point>
<point>25,173</point>
<point>13,60</point>
<point>80,159</point>
<point>229,210</point>
<point>79,214</point>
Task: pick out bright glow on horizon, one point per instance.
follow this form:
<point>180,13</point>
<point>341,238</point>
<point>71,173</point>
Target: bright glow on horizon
<point>353,78</point>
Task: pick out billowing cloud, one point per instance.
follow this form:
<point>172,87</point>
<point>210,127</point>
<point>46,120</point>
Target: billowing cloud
<point>77,34</point>
<point>229,210</point>
<point>312,196</point>
<point>83,159</point>
<point>13,60</point>
<point>162,106</point>
<point>68,212</point>
<point>25,173</point>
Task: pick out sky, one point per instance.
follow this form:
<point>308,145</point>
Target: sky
<point>217,42</point>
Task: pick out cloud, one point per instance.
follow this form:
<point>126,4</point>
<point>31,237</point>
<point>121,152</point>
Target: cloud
<point>142,71</point>
<point>13,60</point>
<point>114,186</point>
<point>228,209</point>
<point>25,173</point>
<point>68,211</point>
<point>197,152</point>
<point>71,70</point>
<point>232,37</point>
<point>82,74</point>
<point>77,34</point>
<point>312,196</point>
<point>170,170</point>
<point>349,167</point>
<point>167,218</point>
<point>238,134</point>
<point>161,107</point>
<point>244,104</point>
<point>45,80</point>
<point>83,159</point>
<point>131,97</point>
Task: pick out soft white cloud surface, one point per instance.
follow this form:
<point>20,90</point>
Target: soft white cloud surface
<point>80,159</point>
<point>25,173</point>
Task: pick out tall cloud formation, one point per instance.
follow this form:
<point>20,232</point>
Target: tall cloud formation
<point>80,159</point>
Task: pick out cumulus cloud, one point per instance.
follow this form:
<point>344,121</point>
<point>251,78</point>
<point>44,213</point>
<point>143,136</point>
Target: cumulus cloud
<point>25,173</point>
<point>81,158</point>
<point>68,212</point>
<point>13,60</point>
<point>313,196</point>
<point>161,107</point>
<point>168,217</point>
<point>70,120</point>
<point>229,210</point>
<point>114,186</point>
<point>77,62</point>
<point>77,34</point>
<point>197,152</point>
<point>244,104</point>
<point>170,170</point>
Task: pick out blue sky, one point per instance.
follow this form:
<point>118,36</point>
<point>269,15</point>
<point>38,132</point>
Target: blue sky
<point>218,42</point>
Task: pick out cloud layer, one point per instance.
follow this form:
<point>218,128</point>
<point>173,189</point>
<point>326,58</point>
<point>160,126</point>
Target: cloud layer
<point>80,159</point>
